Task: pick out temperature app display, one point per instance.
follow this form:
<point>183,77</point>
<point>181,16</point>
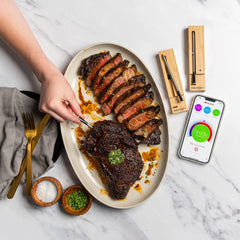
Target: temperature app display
<point>201,130</point>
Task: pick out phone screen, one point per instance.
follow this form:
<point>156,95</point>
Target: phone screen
<point>201,129</point>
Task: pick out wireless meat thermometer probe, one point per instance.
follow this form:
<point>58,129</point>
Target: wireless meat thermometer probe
<point>170,76</point>
<point>193,58</point>
<point>81,119</point>
<point>85,122</point>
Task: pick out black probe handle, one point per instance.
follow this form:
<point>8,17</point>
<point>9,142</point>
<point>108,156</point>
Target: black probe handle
<point>180,96</point>
<point>193,79</point>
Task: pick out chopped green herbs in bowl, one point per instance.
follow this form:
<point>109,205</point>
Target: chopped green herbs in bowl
<point>76,200</point>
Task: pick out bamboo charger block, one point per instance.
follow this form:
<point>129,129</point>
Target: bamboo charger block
<point>196,58</point>
<point>176,104</point>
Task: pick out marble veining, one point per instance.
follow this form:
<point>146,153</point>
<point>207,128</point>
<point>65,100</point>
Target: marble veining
<point>193,201</point>
<point>202,1</point>
<point>204,208</point>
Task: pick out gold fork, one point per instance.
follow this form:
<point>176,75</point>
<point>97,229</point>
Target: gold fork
<point>30,133</point>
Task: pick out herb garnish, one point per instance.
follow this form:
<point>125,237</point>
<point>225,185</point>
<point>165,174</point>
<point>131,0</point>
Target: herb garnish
<point>77,200</point>
<point>115,156</point>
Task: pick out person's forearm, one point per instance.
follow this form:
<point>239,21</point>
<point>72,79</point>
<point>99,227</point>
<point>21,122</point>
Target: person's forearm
<point>55,90</point>
<point>16,32</point>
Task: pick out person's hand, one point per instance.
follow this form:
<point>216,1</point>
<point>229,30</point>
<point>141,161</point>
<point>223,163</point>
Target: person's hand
<point>57,97</point>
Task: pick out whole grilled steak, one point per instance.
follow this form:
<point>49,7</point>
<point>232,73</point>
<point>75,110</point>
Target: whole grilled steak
<point>105,138</point>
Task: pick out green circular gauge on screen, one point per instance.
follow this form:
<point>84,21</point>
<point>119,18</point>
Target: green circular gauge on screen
<point>201,132</point>
<point>216,112</point>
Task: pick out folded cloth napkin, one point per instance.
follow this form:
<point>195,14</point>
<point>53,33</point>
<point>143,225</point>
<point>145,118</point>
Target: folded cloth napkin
<point>13,142</point>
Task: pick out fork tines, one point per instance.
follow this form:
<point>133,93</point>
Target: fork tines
<point>28,120</point>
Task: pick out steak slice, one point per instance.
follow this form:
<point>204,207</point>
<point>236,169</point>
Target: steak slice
<point>123,78</point>
<point>153,138</point>
<point>90,66</point>
<point>140,104</point>
<point>105,137</point>
<point>143,134</point>
<point>136,81</point>
<point>140,118</point>
<point>113,62</point>
<point>110,76</point>
<point>130,97</point>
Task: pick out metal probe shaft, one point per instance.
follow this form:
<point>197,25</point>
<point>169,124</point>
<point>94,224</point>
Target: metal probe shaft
<point>194,58</point>
<point>85,122</point>
<point>171,76</point>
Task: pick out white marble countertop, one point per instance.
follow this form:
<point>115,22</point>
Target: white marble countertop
<point>193,201</point>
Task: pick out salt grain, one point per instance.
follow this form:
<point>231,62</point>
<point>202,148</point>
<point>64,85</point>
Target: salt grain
<point>46,191</point>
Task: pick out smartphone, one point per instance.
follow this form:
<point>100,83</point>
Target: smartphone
<point>201,129</point>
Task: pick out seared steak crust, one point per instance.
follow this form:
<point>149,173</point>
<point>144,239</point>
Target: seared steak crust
<point>153,138</point>
<point>113,62</point>
<point>105,137</point>
<point>143,134</point>
<point>91,65</point>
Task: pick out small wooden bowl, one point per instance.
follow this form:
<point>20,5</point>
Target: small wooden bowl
<point>34,188</point>
<point>67,207</point>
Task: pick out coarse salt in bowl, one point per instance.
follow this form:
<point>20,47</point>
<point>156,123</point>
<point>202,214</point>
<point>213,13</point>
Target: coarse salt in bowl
<point>46,191</point>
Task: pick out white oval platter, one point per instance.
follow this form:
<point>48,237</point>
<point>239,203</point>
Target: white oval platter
<point>90,178</point>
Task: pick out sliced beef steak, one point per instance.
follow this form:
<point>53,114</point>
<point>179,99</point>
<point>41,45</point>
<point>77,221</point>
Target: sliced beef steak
<point>130,96</point>
<point>90,66</point>
<point>113,62</point>
<point>153,138</point>
<point>143,134</point>
<point>140,104</point>
<point>140,118</point>
<point>136,81</point>
<point>108,78</point>
<point>106,137</point>
<point>121,89</point>
<point>117,82</point>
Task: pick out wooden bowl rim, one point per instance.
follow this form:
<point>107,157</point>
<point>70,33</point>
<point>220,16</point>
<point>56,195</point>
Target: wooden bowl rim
<point>66,206</point>
<point>34,187</point>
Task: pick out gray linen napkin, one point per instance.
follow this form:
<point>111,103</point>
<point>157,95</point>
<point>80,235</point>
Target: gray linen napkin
<point>13,141</point>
